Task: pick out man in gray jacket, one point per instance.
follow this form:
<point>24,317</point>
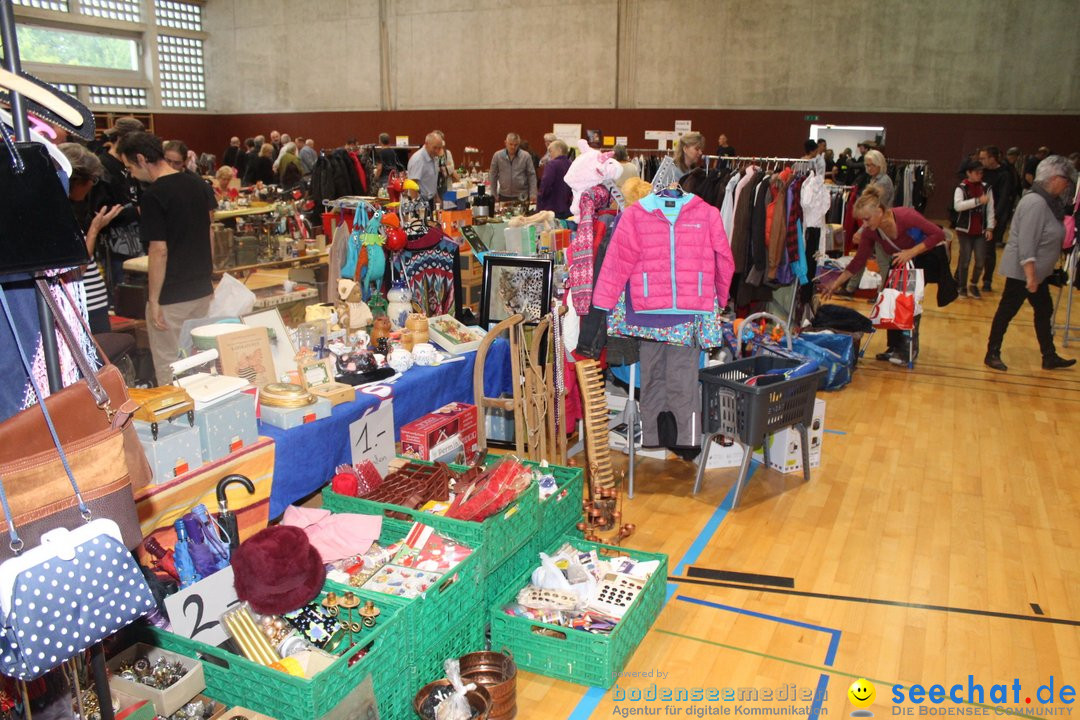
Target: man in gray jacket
<point>512,172</point>
<point>1030,256</point>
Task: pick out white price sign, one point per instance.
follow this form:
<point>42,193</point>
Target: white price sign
<point>372,436</point>
<point>195,612</point>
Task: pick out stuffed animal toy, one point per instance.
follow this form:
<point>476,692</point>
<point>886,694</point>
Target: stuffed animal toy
<point>590,168</point>
<point>352,312</point>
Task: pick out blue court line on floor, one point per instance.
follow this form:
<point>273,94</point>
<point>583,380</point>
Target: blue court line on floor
<point>830,653</point>
<point>591,699</point>
<point>588,703</point>
<point>834,432</point>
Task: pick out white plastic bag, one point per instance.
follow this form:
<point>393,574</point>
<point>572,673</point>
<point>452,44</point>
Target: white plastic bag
<point>231,298</point>
<point>456,706</point>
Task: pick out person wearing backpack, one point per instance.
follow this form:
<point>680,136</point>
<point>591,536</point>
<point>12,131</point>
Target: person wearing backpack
<point>973,219</point>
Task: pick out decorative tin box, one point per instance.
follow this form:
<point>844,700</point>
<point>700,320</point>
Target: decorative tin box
<point>286,418</point>
<point>227,426</point>
<point>177,449</point>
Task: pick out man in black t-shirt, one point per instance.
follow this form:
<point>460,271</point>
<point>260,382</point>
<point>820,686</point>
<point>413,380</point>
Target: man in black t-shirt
<point>175,225</point>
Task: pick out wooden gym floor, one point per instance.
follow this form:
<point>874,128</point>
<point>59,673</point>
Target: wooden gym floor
<point>938,539</point>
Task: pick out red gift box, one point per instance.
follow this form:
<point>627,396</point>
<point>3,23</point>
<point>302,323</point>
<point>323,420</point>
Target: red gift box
<point>442,434</point>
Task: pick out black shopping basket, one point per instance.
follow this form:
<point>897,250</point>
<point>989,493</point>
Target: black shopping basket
<point>747,413</point>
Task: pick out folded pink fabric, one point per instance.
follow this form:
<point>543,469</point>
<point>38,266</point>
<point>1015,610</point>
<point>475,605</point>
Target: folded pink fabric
<point>335,535</point>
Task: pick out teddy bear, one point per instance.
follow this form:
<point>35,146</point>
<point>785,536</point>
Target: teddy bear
<point>353,313</point>
<point>589,169</point>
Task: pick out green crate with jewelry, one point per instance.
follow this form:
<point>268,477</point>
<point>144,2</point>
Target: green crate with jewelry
<point>353,636</point>
<point>587,631</point>
<point>438,578</point>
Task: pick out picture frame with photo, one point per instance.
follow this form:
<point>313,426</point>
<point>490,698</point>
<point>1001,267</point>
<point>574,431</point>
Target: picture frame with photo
<point>513,284</point>
<point>281,343</point>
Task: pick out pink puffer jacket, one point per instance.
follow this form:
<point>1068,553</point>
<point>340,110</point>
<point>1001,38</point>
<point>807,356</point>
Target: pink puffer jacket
<point>680,268</point>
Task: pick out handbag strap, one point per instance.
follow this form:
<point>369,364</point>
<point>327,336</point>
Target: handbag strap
<point>17,163</point>
<point>16,543</point>
<point>101,397</point>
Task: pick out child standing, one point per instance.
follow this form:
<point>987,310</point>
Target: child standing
<point>973,202</point>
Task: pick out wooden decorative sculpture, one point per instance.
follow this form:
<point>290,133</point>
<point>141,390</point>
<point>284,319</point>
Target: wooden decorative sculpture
<point>602,509</point>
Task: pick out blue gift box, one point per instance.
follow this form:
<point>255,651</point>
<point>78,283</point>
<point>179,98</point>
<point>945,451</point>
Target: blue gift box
<point>177,449</point>
<point>227,426</point>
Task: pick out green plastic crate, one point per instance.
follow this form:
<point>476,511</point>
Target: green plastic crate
<point>428,618</point>
<point>235,680</point>
<point>522,561</point>
<point>465,637</point>
<point>576,655</point>
<point>497,537</point>
<point>561,512</point>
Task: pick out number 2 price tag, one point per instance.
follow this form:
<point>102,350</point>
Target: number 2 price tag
<point>195,612</point>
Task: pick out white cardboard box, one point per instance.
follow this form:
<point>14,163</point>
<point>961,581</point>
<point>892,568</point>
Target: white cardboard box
<point>785,453</point>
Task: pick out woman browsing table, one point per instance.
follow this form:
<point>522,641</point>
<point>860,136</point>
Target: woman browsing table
<point>903,233</point>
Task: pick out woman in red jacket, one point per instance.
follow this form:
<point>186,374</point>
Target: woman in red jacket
<point>903,233</point>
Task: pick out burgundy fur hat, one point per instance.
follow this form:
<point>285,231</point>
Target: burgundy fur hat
<point>277,570</point>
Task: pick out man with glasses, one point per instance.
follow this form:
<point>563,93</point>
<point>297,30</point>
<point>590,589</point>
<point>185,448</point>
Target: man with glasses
<point>175,224</point>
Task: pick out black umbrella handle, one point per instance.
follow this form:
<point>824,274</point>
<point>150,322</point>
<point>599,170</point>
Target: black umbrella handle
<point>225,482</point>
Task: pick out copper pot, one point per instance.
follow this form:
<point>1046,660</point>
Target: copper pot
<point>497,672</point>
<point>479,699</point>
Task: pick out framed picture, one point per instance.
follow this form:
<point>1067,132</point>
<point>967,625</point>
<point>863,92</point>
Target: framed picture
<point>451,335</point>
<point>515,285</point>
<point>246,354</point>
<point>281,344</point>
<point>315,373</point>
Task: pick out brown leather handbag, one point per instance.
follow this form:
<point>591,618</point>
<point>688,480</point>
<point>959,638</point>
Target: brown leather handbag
<point>92,419</point>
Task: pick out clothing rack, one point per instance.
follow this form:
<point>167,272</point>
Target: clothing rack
<point>757,158</point>
<point>648,150</point>
<point>906,161</point>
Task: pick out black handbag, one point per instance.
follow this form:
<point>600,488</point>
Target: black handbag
<point>40,231</point>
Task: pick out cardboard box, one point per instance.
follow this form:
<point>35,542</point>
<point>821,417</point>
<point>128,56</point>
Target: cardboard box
<point>785,450</point>
<point>132,708</point>
<point>441,434</point>
<point>177,450</point>
<point>286,418</point>
<point>166,701</point>
<point>227,426</point>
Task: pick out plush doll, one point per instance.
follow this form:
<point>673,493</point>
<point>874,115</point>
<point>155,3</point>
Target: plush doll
<point>590,168</point>
<point>353,313</point>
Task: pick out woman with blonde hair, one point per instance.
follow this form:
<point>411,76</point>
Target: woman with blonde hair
<point>901,233</point>
<point>688,151</point>
<point>877,171</point>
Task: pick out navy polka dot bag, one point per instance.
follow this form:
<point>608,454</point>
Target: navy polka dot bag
<point>73,590</point>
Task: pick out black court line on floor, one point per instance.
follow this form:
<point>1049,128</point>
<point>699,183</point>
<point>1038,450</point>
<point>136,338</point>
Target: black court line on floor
<point>997,385</point>
<point>740,577</point>
<point>877,601</point>
<point>1057,377</point>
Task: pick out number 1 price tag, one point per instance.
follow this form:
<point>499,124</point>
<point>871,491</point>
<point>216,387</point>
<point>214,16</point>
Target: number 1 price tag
<point>195,612</point>
<point>372,436</point>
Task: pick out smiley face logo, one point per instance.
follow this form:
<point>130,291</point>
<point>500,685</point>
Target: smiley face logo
<point>862,694</point>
